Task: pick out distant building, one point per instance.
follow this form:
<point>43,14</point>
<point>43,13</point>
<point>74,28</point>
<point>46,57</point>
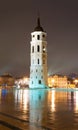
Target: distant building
<point>7,80</point>
<point>57,81</point>
<point>22,82</point>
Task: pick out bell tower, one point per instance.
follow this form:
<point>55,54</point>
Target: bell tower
<point>38,58</point>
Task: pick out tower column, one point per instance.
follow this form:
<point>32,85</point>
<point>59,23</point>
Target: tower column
<point>38,58</point>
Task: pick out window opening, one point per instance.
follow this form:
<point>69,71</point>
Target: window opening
<point>39,81</point>
<point>38,37</point>
<point>38,61</point>
<point>38,48</point>
<point>32,49</point>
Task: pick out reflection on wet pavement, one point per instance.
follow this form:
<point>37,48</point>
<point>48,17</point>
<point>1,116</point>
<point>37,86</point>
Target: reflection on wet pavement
<point>24,109</point>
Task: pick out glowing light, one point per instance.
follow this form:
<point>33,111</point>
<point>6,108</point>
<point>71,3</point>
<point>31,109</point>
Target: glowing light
<point>0,94</point>
<point>76,81</point>
<point>76,101</point>
<point>25,80</point>
<point>57,81</point>
<point>53,80</point>
<point>21,97</point>
<point>53,101</point>
<point>22,81</point>
<point>25,99</point>
<point>44,49</point>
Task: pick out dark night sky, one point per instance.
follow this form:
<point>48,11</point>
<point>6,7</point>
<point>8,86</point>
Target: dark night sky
<point>59,18</point>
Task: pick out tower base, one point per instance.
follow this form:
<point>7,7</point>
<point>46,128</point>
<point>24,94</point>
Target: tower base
<point>38,86</point>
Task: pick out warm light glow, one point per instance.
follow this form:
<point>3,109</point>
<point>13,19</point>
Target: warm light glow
<point>76,81</point>
<point>25,80</point>
<point>0,94</point>
<point>71,86</point>
<point>25,99</point>
<point>22,81</point>
<point>57,81</point>
<point>76,101</point>
<point>53,101</point>
<point>53,80</point>
<point>21,96</point>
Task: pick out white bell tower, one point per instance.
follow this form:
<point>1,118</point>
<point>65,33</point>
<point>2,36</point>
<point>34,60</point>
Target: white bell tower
<point>38,56</point>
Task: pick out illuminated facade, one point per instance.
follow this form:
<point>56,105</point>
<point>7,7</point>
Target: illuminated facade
<point>75,81</point>
<point>38,55</point>
<point>57,81</point>
<point>23,82</point>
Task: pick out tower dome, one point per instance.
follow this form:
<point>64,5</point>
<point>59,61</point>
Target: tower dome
<point>38,27</point>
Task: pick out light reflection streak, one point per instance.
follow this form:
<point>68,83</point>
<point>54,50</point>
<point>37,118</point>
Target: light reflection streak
<point>21,97</point>
<point>53,101</point>
<point>76,101</point>
<point>37,99</point>
<point>17,96</point>
<point>25,99</point>
<point>0,95</point>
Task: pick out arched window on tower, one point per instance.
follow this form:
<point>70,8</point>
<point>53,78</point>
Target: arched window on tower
<point>32,49</point>
<point>38,48</point>
<point>38,37</point>
<point>38,61</point>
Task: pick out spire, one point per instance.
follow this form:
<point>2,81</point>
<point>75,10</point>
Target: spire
<point>38,22</point>
<point>38,27</point>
